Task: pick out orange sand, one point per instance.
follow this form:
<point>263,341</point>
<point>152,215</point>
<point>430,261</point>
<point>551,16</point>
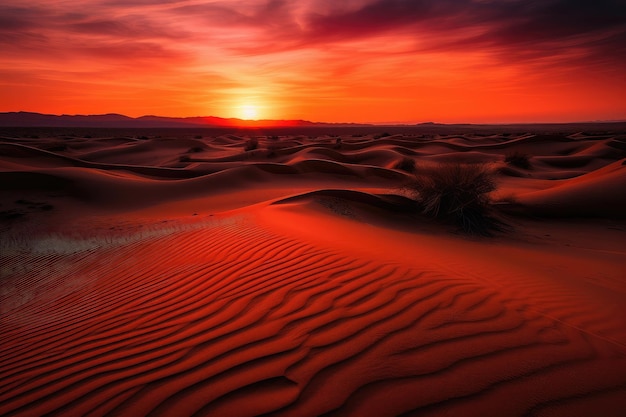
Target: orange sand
<point>182,276</point>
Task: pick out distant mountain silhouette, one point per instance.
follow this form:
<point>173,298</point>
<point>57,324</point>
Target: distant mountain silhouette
<point>112,120</point>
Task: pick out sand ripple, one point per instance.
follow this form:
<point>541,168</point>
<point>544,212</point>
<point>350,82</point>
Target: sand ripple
<point>234,320</point>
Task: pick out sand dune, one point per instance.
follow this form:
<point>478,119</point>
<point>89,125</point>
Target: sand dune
<point>185,276</point>
<point>599,193</point>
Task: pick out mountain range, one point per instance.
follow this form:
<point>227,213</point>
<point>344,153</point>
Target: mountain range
<point>112,120</point>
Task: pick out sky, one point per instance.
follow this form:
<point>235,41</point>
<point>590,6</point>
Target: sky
<point>376,61</point>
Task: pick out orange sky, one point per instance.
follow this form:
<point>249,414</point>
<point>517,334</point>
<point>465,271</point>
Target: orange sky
<point>322,60</point>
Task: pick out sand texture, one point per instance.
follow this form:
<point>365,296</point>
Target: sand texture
<point>183,275</point>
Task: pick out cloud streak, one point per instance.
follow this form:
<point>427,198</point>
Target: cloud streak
<point>520,29</point>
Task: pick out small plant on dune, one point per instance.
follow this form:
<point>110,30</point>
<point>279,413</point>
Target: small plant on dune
<point>272,150</point>
<point>251,144</point>
<point>518,159</point>
<point>459,193</point>
<point>406,164</point>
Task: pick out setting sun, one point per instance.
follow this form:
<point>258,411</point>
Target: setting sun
<point>249,111</point>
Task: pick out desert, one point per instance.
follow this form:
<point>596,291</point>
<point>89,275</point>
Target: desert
<point>363,208</point>
<point>298,272</point>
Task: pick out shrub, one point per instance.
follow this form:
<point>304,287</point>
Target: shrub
<point>273,149</point>
<point>251,144</point>
<point>406,164</point>
<point>459,193</point>
<point>518,159</point>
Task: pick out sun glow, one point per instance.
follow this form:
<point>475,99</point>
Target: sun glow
<point>249,111</point>
<point>314,60</point>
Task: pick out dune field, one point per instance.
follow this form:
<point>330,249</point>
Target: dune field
<point>294,274</point>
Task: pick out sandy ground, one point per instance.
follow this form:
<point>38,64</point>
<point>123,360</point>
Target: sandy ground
<point>183,275</point>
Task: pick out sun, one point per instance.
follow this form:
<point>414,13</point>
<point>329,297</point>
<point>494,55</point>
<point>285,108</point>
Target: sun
<point>249,111</point>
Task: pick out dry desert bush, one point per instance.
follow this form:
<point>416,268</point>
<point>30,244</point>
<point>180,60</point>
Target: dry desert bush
<point>459,193</point>
<point>251,144</point>
<point>518,159</point>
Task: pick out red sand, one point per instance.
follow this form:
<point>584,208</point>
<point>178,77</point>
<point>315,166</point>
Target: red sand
<point>185,277</point>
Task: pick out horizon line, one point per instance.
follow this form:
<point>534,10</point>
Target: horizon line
<point>315,122</point>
